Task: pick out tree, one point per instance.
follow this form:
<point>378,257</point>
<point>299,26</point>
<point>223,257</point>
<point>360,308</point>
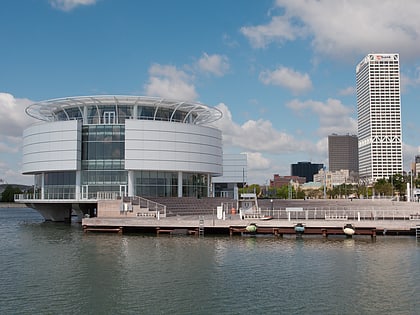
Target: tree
<point>416,182</point>
<point>9,192</point>
<point>383,187</point>
<point>398,183</point>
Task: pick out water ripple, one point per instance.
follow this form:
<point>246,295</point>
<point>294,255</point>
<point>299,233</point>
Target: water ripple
<point>57,269</point>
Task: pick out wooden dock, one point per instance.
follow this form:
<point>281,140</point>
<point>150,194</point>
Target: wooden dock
<point>287,230</point>
<point>111,229</point>
<point>177,231</point>
<point>235,226</point>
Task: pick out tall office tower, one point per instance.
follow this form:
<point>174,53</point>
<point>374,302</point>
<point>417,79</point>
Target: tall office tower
<point>343,153</point>
<point>416,168</point>
<point>379,116</point>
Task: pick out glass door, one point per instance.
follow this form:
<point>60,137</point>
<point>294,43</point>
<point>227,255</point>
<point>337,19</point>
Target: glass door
<point>123,190</point>
<point>85,192</point>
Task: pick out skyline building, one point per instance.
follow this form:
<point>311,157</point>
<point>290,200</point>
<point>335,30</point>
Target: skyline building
<point>379,116</point>
<point>343,153</point>
<point>305,169</point>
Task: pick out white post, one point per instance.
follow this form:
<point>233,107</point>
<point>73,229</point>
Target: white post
<point>358,216</point>
<point>179,184</point>
<point>130,183</point>
<point>408,192</point>
<point>42,186</point>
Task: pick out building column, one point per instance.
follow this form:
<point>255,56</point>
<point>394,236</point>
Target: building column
<point>209,186</point>
<point>85,115</point>
<point>77,186</point>
<point>130,183</point>
<point>179,184</point>
<point>135,112</point>
<point>42,186</point>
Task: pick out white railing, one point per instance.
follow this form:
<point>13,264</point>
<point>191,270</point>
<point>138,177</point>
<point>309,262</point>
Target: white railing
<point>145,204</point>
<point>340,214</point>
<point>47,196</point>
<point>107,195</point>
<point>102,195</point>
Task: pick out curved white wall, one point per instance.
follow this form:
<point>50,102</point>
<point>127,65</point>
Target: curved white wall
<point>167,146</point>
<point>54,146</point>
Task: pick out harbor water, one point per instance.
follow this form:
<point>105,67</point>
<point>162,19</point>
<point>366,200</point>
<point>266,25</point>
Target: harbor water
<point>55,268</point>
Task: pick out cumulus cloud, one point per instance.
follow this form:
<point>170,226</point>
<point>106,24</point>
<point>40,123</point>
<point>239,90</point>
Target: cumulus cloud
<point>68,5</point>
<point>342,28</point>
<point>288,78</point>
<point>256,135</point>
<point>215,64</point>
<point>267,148</point>
<point>351,90</point>
<point>256,161</point>
<point>334,117</point>
<point>278,29</point>
<point>170,82</point>
<point>13,118</point>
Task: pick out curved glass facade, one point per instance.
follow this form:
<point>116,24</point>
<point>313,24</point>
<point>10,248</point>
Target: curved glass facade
<point>156,184</point>
<point>133,145</point>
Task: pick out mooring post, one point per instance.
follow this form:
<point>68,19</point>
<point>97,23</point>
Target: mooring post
<point>373,233</point>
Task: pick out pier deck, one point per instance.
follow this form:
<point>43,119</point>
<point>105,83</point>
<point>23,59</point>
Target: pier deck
<point>232,225</point>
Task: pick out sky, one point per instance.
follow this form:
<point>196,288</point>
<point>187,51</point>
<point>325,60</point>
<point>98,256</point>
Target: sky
<point>282,72</point>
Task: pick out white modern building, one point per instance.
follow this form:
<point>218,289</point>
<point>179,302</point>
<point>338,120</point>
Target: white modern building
<point>379,117</point>
<point>90,147</point>
<point>235,172</point>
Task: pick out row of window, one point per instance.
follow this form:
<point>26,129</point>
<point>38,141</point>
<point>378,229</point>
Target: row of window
<point>117,114</point>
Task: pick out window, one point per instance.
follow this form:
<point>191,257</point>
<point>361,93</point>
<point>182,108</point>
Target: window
<point>109,118</point>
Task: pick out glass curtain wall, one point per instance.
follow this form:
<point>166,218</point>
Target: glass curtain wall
<point>165,184</point>
<point>194,185</point>
<point>156,184</point>
<point>103,158</point>
<point>57,185</point>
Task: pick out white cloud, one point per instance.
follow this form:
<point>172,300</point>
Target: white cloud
<point>169,82</point>
<point>334,117</point>
<point>260,141</point>
<point>217,65</point>
<point>257,135</point>
<point>342,28</point>
<point>256,161</point>
<point>351,90</point>
<point>288,78</point>
<point>68,5</point>
<point>279,29</point>
<point>13,118</point>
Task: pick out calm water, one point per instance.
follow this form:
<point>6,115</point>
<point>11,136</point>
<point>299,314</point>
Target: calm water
<point>50,268</point>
